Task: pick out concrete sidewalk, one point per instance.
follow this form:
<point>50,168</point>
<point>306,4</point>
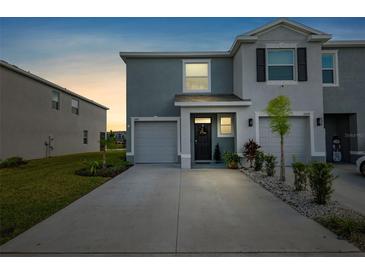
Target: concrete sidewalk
<point>163,210</point>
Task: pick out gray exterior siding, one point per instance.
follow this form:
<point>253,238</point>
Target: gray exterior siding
<point>153,83</point>
<point>349,96</point>
<point>304,96</point>
<point>27,119</point>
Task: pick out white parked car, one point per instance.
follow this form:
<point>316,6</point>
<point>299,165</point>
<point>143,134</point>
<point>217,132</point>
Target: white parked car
<point>360,165</point>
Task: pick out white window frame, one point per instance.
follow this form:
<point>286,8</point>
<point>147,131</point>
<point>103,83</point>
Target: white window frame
<point>335,68</point>
<point>282,82</point>
<point>192,61</point>
<point>58,99</point>
<point>219,133</point>
<point>78,106</point>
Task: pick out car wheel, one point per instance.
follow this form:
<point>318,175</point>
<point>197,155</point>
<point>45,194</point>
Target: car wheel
<point>362,168</point>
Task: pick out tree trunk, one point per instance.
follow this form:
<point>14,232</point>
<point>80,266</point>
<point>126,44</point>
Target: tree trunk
<point>282,160</point>
<point>104,157</point>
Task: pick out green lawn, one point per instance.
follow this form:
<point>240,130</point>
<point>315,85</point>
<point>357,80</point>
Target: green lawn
<point>32,192</point>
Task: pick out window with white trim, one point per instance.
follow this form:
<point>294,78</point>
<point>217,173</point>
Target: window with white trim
<point>55,100</point>
<point>196,76</point>
<point>329,68</point>
<point>225,126</point>
<point>280,64</point>
<point>75,106</point>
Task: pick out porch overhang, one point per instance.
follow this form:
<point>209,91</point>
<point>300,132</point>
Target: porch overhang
<point>223,100</point>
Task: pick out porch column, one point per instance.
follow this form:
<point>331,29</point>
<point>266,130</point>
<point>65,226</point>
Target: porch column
<point>185,139</point>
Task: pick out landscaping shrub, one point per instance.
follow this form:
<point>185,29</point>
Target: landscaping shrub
<point>259,160</point>
<point>109,171</point>
<point>217,153</point>
<point>320,180</point>
<point>12,162</point>
<point>300,176</point>
<point>231,159</point>
<point>249,150</point>
<point>94,165</point>
<point>270,161</point>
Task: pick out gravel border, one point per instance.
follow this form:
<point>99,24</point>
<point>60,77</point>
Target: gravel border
<point>302,201</point>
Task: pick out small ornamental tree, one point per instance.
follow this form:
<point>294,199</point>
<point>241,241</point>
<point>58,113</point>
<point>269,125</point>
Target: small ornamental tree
<point>108,142</point>
<point>279,111</point>
<point>249,151</point>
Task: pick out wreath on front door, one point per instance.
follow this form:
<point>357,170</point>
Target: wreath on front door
<point>202,131</point>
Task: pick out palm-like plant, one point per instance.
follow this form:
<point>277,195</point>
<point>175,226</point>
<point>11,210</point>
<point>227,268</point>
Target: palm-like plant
<point>108,142</point>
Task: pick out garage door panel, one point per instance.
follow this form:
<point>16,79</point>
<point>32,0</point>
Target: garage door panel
<point>155,142</point>
<point>296,142</point>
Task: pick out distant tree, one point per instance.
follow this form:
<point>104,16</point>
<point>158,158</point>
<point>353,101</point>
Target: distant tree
<point>279,111</point>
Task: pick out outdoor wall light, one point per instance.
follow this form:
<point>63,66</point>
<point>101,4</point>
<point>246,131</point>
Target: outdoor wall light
<point>319,121</point>
<point>250,122</point>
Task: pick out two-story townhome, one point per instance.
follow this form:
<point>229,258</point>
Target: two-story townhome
<point>41,119</point>
<point>181,104</point>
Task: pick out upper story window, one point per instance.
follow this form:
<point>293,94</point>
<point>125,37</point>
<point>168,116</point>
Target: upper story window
<point>75,106</point>
<point>196,76</point>
<point>55,99</point>
<point>280,65</point>
<point>329,68</point>
<point>225,126</point>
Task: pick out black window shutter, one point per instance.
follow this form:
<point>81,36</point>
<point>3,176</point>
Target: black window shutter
<point>302,64</point>
<point>260,65</point>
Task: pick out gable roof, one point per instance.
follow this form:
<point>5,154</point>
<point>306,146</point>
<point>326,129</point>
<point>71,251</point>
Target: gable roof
<point>288,23</point>
<point>248,37</point>
<point>48,83</point>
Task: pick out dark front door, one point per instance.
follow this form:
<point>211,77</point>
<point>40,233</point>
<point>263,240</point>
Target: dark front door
<point>203,141</point>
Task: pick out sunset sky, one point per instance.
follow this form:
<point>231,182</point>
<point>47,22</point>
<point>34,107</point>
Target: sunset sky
<point>82,54</point>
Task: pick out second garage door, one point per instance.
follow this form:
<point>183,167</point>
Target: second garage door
<point>155,142</point>
<point>296,142</point>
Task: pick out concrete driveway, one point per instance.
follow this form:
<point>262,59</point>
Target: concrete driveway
<point>153,209</point>
<point>350,187</point>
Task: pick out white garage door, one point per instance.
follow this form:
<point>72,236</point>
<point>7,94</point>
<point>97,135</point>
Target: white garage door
<point>155,142</point>
<point>296,142</point>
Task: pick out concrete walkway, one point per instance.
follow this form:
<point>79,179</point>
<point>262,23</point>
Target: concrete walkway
<point>156,210</point>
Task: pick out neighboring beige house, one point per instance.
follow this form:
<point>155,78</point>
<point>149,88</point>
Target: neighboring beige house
<point>39,118</point>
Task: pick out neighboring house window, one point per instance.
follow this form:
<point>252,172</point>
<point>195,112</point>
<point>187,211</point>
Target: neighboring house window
<point>55,99</point>
<point>329,68</point>
<point>196,76</point>
<point>85,137</point>
<point>225,126</point>
<point>75,106</point>
<point>280,65</point>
